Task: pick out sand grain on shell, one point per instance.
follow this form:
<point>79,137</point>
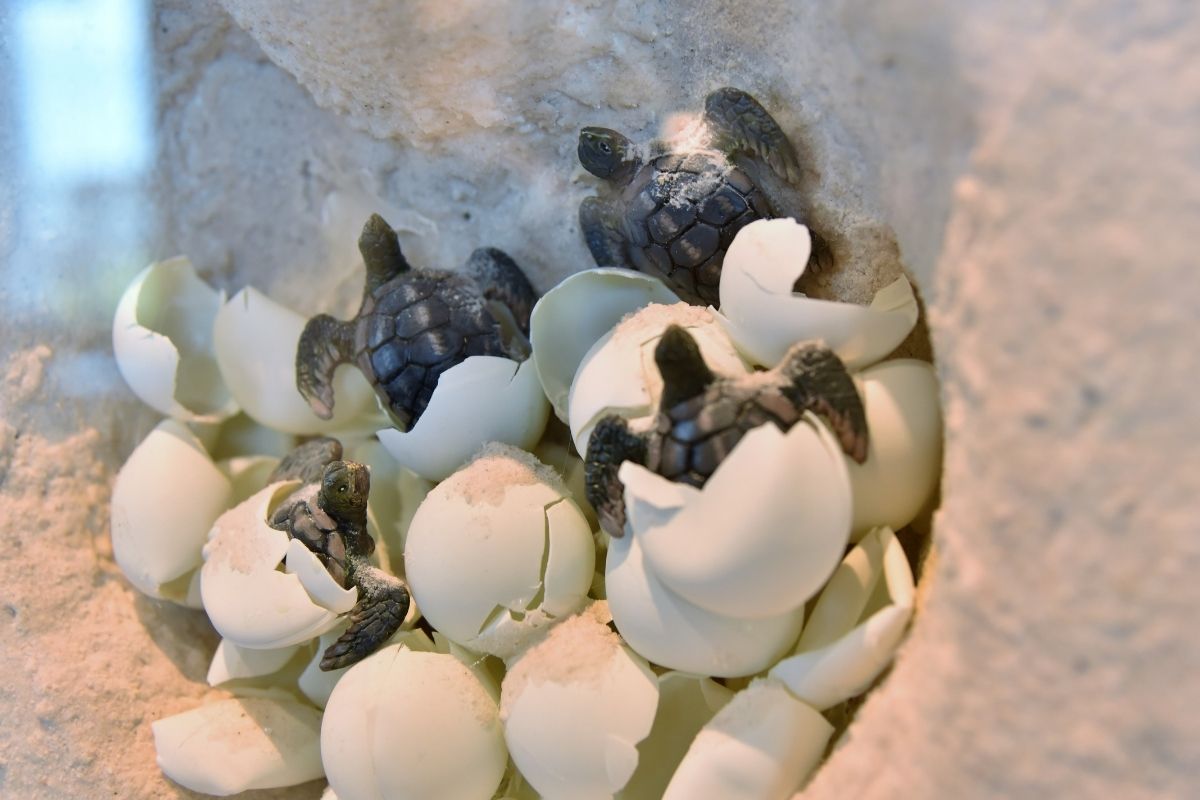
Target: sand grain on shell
<point>496,467</point>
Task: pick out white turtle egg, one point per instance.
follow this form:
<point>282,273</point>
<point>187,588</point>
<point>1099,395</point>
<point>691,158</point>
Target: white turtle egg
<point>765,317</point>
<point>497,551</point>
<point>904,456</point>
<point>483,399</point>
<point>162,339</point>
<point>241,743</point>
<point>256,340</point>
<point>618,374</point>
<point>408,725</point>
<point>855,626</point>
<point>668,630</point>
<point>763,534</point>
<point>249,600</point>
<point>575,706</point>
<point>317,684</point>
<point>165,499</point>
<point>572,316</point>
<point>232,662</point>
<point>760,746</point>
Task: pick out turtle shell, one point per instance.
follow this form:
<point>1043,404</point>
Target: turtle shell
<point>415,327</point>
<point>682,212</point>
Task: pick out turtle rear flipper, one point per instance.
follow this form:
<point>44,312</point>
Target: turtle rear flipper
<point>740,124</point>
<point>325,343</point>
<point>602,233</point>
<point>819,382</point>
<point>610,445</point>
<point>502,281</point>
<point>383,601</point>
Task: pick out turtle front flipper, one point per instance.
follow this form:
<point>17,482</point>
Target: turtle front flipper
<point>819,382</point>
<point>383,601</point>
<point>602,233</point>
<point>502,281</point>
<point>325,343</point>
<point>739,123</point>
<point>610,445</point>
<point>380,248</point>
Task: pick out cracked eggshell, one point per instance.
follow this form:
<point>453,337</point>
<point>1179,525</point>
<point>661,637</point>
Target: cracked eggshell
<point>904,456</point>
<point>163,342</point>
<point>575,706</point>
<point>232,662</point>
<point>483,399</point>
<point>765,317</point>
<point>498,550</point>
<point>763,534</point>
<point>248,600</point>
<point>761,746</point>
<point>855,626</point>
<point>572,316</point>
<point>408,725</point>
<point>256,340</point>
<point>618,374</point>
<point>242,743</point>
<point>669,631</point>
<point>166,497</point>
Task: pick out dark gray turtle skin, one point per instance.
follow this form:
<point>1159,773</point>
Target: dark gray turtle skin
<point>413,325</point>
<point>676,213</point>
<point>329,515</point>
<point>701,418</point>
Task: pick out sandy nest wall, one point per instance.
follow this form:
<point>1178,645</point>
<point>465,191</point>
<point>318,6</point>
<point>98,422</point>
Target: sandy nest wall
<point>1033,171</point>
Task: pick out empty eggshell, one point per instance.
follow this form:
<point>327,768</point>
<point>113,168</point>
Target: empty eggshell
<point>572,316</point>
<point>256,340</point>
<point>316,580</point>
<point>498,550</point>
<point>760,746</point>
<point>408,725</point>
<point>575,706</point>
<point>618,374</point>
<point>165,499</point>
<point>765,317</point>
<point>483,399</point>
<point>231,662</point>
<point>247,599</point>
<point>242,743</point>
<point>162,339</point>
<point>763,534</point>
<point>904,457</point>
<point>855,627</point>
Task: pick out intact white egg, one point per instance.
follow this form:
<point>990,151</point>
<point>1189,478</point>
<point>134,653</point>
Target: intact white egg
<point>408,725</point>
<point>497,551</point>
<point>575,706</point>
<point>572,316</point>
<point>483,399</point>
<point>855,626</point>
<point>163,343</point>
<point>317,684</point>
<point>241,743</point>
<point>166,497</point>
<point>765,317</point>
<point>904,456</point>
<point>255,340</point>
<point>618,374</point>
<point>760,746</point>
<point>232,662</point>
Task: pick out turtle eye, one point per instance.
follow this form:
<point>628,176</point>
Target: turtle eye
<point>605,148</point>
<point>342,488</point>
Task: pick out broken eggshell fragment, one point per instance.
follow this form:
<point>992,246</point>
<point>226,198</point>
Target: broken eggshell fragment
<point>764,317</point>
<point>233,662</point>
<point>163,343</point>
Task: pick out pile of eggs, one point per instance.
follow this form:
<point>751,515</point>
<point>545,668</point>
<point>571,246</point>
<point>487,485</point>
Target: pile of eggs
<point>695,656</point>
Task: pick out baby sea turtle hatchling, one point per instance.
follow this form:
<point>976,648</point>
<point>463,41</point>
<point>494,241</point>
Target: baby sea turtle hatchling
<point>329,516</point>
<point>701,418</point>
<point>679,207</point>
<point>414,324</point>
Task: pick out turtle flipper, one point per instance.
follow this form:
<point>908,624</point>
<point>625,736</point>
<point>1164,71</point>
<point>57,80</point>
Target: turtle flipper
<point>610,445</point>
<point>503,281</point>
<point>306,463</point>
<point>380,248</point>
<point>684,372</point>
<point>820,383</point>
<point>739,123</point>
<point>325,343</point>
<point>382,603</point>
<point>602,233</point>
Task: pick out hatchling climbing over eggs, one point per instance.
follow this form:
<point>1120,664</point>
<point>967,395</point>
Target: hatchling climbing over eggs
<point>680,205</point>
<point>701,418</point>
<point>414,324</point>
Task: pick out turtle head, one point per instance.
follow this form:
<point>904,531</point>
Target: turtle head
<point>608,154</point>
<point>684,373</point>
<point>344,489</point>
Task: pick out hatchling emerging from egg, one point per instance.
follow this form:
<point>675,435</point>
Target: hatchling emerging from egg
<point>328,514</point>
<point>414,324</point>
<point>701,418</point>
<point>680,205</point>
